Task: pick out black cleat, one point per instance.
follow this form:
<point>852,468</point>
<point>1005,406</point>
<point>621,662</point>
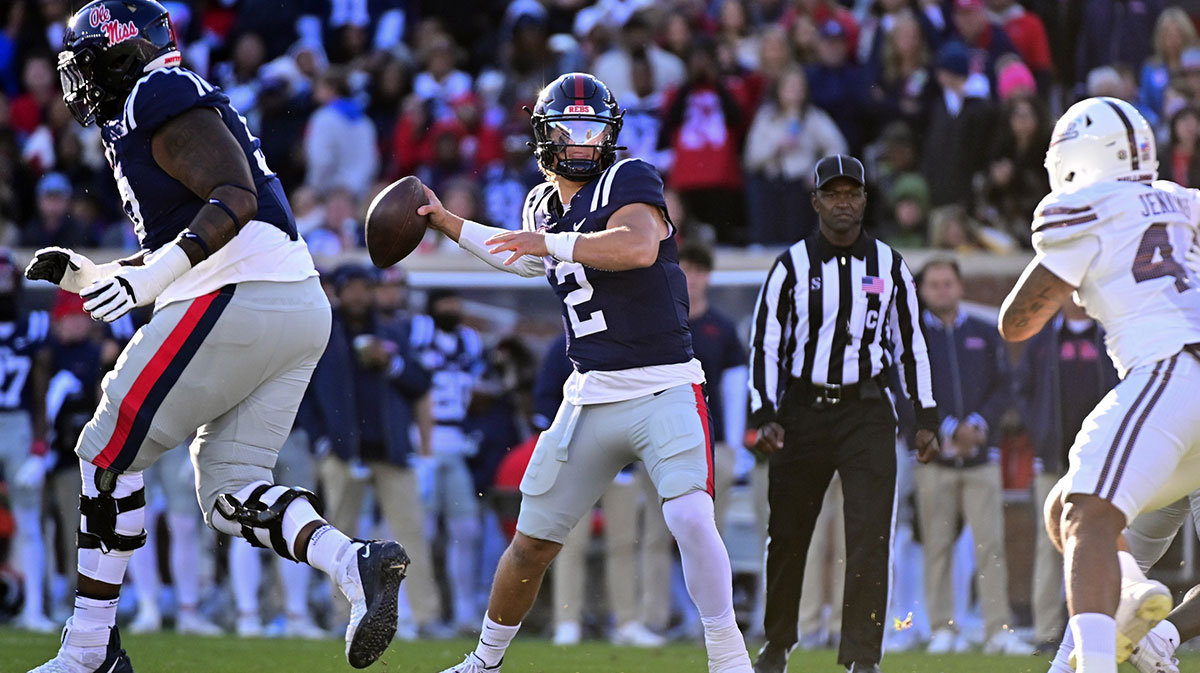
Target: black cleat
<point>771,659</point>
<point>370,578</point>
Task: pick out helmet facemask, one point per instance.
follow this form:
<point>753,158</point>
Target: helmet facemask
<point>575,146</point>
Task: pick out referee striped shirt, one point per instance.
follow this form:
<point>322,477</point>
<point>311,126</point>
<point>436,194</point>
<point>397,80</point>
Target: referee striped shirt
<point>837,316</point>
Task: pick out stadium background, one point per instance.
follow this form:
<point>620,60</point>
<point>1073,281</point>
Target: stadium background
<point>435,89</point>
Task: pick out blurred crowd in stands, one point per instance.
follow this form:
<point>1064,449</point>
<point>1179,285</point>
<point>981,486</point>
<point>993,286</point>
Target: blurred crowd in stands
<point>950,101</point>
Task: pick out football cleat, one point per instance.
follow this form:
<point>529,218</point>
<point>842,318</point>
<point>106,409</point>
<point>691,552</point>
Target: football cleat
<point>1155,654</point>
<point>81,653</point>
<point>473,664</point>
<point>370,576</point>
<point>1144,603</point>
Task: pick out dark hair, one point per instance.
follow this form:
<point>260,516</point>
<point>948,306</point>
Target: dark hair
<point>947,262</point>
<point>694,252</point>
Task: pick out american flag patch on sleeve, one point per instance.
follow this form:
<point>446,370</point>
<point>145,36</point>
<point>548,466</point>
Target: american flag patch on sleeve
<point>872,284</point>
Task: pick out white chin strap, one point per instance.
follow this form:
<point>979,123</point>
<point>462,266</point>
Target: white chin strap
<point>167,60</point>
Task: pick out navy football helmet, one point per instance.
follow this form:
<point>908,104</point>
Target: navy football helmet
<point>107,47</point>
<point>576,111</point>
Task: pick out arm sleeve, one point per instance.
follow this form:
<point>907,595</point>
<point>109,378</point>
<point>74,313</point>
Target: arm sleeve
<point>165,94</point>
<point>471,239</point>
<point>908,347</point>
<point>767,332</point>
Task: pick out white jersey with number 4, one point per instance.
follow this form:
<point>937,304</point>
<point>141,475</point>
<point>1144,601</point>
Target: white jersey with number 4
<point>1122,245</point>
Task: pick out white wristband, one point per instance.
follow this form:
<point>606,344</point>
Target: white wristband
<point>562,246</point>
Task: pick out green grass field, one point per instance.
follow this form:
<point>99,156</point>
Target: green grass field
<point>167,653</point>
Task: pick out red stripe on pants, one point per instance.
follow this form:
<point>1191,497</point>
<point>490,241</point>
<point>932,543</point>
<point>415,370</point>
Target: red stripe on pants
<point>149,376</point>
<point>702,409</point>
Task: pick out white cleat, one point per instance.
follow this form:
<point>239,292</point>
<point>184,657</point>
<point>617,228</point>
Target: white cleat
<point>1155,654</point>
<point>473,664</point>
<point>36,623</point>
<point>191,623</point>
<point>1007,642</point>
<point>146,621</point>
<point>88,652</point>
<point>634,634</point>
<point>1144,603</point>
<point>944,641</point>
<point>249,626</point>
<point>303,627</point>
<point>568,633</point>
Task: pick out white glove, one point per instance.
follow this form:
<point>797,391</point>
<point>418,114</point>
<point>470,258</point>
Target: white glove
<point>32,473</point>
<point>134,286</point>
<point>68,269</point>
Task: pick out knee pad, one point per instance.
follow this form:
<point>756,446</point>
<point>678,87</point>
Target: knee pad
<point>108,496</point>
<point>689,516</point>
<point>260,510</point>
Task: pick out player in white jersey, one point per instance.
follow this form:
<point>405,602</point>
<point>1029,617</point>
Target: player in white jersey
<point>1110,234</point>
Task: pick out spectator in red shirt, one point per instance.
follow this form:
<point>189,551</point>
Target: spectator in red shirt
<point>28,110</point>
<point>703,126</point>
<point>1027,33</point>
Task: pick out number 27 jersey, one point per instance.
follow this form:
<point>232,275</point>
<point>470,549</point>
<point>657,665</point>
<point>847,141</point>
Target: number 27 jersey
<point>1122,245</point>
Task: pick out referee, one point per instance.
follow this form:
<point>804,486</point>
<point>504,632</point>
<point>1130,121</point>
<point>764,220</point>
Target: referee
<point>836,309</point>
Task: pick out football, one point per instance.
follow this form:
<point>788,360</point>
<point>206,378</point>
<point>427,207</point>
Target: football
<point>394,229</point>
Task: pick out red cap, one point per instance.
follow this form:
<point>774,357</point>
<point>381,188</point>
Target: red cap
<point>66,303</point>
<point>965,5</point>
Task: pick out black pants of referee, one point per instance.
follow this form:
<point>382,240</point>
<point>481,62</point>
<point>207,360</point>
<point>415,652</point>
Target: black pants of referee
<point>856,439</point>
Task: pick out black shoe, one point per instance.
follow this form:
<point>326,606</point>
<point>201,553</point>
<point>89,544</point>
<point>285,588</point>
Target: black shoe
<point>115,661</point>
<point>371,581</point>
<point>771,660</point>
<point>861,667</point>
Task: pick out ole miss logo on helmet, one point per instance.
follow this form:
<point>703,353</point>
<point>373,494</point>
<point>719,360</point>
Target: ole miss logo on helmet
<point>579,109</point>
<point>115,31</point>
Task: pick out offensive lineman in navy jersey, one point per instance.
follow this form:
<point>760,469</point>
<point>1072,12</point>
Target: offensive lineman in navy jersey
<point>598,228</point>
<point>240,322</point>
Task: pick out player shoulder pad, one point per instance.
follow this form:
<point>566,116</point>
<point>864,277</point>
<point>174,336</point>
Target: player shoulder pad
<point>1187,198</point>
<point>628,181</point>
<point>165,93</point>
<point>533,201</point>
<point>1063,216</point>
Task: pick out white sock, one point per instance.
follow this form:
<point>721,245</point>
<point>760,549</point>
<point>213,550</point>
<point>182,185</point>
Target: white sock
<point>93,614</point>
<point>185,554</point>
<point>1062,658</point>
<point>325,547</point>
<point>295,578</point>
<point>33,558</point>
<point>709,578</point>
<point>144,566</point>
<point>1095,642</point>
<point>245,573</point>
<point>1166,630</point>
<point>1129,566</point>
<point>461,562</point>
<point>493,641</point>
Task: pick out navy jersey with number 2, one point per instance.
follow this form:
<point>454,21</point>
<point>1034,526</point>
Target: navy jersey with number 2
<point>159,205</point>
<point>615,319</point>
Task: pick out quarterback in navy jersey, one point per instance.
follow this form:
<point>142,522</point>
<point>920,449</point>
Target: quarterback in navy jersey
<point>598,229</point>
<point>240,321</point>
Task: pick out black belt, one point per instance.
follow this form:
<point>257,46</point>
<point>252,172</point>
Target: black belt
<point>825,395</point>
